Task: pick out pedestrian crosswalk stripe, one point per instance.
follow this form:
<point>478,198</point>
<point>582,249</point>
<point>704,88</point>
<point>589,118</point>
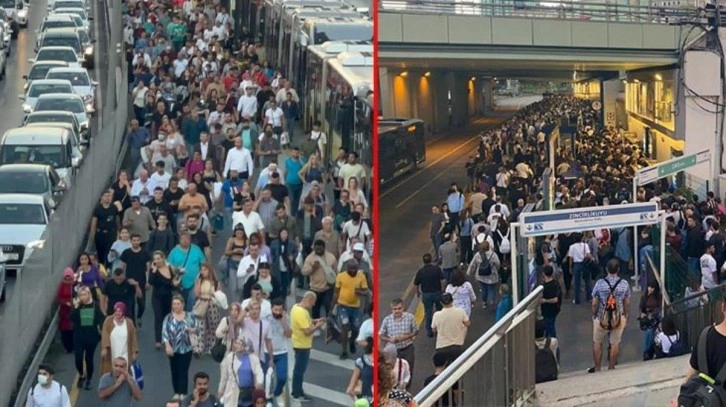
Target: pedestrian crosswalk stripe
<point>330,359</point>
<point>319,392</point>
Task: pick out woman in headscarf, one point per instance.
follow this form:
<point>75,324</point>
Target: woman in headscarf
<point>118,338</point>
<point>65,300</point>
<point>87,321</point>
<point>270,285</point>
<point>229,327</point>
<point>241,373</point>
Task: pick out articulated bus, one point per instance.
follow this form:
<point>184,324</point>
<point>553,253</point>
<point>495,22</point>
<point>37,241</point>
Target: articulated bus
<point>318,30</point>
<point>317,68</point>
<point>348,111</point>
<point>401,147</point>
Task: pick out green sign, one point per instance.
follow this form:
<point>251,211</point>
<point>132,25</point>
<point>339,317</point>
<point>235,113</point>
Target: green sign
<point>677,165</point>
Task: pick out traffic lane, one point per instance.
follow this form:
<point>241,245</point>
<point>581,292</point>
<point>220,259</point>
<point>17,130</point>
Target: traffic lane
<point>408,222</point>
<point>11,108</point>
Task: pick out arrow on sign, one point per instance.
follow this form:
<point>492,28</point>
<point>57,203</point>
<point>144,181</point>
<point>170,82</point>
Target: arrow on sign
<point>538,226</point>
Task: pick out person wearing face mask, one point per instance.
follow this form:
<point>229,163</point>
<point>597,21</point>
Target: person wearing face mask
<point>241,373</point>
<point>118,388</point>
<point>87,321</point>
<point>47,392</point>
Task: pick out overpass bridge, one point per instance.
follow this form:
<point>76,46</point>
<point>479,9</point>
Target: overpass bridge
<point>434,51</point>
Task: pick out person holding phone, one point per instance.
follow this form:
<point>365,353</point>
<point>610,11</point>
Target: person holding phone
<point>119,386</point>
<point>349,288</point>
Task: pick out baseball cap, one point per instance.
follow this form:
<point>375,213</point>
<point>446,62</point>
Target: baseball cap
<point>359,247</point>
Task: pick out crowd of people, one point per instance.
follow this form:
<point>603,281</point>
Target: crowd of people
<point>469,267</point>
<point>218,156</point>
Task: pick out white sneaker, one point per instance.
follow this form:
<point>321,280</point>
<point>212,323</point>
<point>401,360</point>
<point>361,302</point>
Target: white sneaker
<point>280,401</point>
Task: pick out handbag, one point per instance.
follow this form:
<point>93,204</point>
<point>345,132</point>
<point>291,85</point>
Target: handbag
<point>194,338</point>
<point>219,350</point>
<point>222,263</point>
<point>200,308</point>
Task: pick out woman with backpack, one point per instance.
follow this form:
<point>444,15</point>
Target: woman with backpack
<point>650,316</point>
<point>485,266</point>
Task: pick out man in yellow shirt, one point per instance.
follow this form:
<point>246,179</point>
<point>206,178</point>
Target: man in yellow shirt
<point>303,328</point>
<point>349,287</point>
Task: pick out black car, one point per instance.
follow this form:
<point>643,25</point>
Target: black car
<point>34,179</point>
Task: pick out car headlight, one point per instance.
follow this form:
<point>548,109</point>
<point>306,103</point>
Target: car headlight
<point>27,108</point>
<point>88,51</point>
<point>89,108</point>
<point>84,125</point>
<point>87,98</point>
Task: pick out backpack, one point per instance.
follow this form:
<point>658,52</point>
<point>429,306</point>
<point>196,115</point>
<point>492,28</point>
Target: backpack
<point>505,246</point>
<point>611,316</point>
<point>678,348</point>
<point>485,267</point>
<point>545,363</point>
<point>702,390</point>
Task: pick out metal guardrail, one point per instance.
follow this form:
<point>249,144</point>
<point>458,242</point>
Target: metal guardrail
<point>498,369</point>
<point>566,10</point>
<point>696,311</point>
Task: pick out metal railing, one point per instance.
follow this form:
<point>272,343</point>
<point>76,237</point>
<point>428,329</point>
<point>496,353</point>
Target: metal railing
<point>498,369</point>
<point>696,311</point>
<point>565,10</point>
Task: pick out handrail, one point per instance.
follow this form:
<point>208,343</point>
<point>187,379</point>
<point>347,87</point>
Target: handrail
<point>430,394</point>
<point>664,292</point>
<point>558,9</point>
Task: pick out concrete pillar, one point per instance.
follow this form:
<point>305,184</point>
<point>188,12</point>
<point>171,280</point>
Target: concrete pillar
<point>458,87</point>
<point>609,91</point>
<point>385,97</point>
<point>440,86</point>
<point>701,73</point>
<point>487,95</point>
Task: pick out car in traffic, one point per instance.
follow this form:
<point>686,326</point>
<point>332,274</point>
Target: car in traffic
<point>10,10</point>
<point>51,21</point>
<point>42,87</point>
<point>58,4</point>
<point>23,220</point>
<point>35,179</point>
<point>77,11</point>
<point>42,145</point>
<point>79,142</point>
<point>7,34</point>
<point>80,80</point>
<point>66,54</point>
<point>53,116</point>
<point>55,38</point>
<point>39,70</point>
<point>87,43</point>
<point>69,103</point>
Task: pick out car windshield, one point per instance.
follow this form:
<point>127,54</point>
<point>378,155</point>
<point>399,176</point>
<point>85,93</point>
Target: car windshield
<point>22,214</point>
<point>67,4</point>
<point>37,89</point>
<point>62,42</point>
<point>7,3</point>
<point>72,105</point>
<point>39,72</point>
<point>49,118</point>
<point>83,36</point>
<point>53,155</point>
<point>75,12</point>
<point>23,183</point>
<point>76,78</point>
<point>56,55</point>
<point>59,24</point>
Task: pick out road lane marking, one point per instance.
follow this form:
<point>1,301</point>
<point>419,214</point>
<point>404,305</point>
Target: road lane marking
<point>419,315</point>
<point>421,170</point>
<point>75,391</point>
<point>319,392</point>
<point>331,359</point>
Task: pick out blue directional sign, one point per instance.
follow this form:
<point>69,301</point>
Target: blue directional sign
<point>584,219</point>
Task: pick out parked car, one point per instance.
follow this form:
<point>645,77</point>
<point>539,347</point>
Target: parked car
<point>35,179</point>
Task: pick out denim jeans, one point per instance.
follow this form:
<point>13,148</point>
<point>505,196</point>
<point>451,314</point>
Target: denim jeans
<point>228,218</point>
<point>693,265</point>
<point>648,338</point>
<point>643,266</point>
<point>302,357</point>
<point>579,273</point>
<point>549,325</point>
<point>190,299</point>
<point>448,272</point>
<point>280,372</point>
<point>295,195</point>
<point>488,293</point>
<point>436,241</point>
<point>431,303</point>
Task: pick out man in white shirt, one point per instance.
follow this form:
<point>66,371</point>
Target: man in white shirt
<point>180,65</point>
<point>580,251</point>
<point>355,228</point>
<point>143,187</point>
<point>160,178</point>
<point>247,267</point>
<point>357,252</point>
<point>275,117</point>
<point>47,392</point>
<point>142,58</point>
<point>353,169</point>
<point>250,220</point>
<point>247,104</point>
<point>708,267</point>
<point>281,95</point>
<point>240,159</point>
<point>257,294</point>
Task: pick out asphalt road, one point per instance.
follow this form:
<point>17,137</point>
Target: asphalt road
<point>325,382</point>
<point>405,209</point>
<point>11,110</point>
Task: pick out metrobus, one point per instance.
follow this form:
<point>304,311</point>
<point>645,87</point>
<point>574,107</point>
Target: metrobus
<point>401,147</point>
<point>348,111</point>
<point>317,68</point>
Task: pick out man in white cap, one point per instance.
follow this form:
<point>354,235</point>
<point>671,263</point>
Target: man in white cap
<point>264,177</point>
<point>357,252</point>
